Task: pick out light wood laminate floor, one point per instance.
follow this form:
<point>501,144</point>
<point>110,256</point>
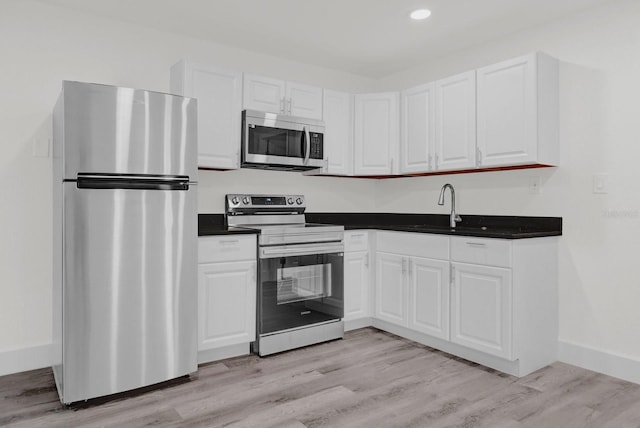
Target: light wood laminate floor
<point>369,379</point>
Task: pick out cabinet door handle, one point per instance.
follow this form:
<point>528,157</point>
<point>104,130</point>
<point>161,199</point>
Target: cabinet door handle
<point>289,106</point>
<point>452,274</point>
<point>282,105</point>
<point>477,244</point>
<point>478,156</point>
<point>429,159</point>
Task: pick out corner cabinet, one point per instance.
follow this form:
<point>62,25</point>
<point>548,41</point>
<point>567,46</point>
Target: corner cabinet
<point>227,271</point>
<point>281,97</point>
<point>376,133</point>
<point>219,94</point>
<point>518,112</point>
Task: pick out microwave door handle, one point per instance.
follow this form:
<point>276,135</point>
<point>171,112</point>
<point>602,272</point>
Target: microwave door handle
<point>307,152</point>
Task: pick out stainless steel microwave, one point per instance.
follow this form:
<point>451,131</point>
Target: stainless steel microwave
<point>289,143</point>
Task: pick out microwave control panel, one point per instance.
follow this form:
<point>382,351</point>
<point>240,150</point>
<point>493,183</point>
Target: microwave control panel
<point>316,145</point>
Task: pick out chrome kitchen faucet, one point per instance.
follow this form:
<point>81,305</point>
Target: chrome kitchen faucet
<point>453,217</point>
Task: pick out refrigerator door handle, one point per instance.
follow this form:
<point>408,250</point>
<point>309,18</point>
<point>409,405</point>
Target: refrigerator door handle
<point>132,181</point>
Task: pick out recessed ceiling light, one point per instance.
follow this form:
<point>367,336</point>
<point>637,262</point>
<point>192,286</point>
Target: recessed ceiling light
<point>420,14</point>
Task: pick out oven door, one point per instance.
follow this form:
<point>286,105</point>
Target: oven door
<point>273,142</point>
<point>299,285</point>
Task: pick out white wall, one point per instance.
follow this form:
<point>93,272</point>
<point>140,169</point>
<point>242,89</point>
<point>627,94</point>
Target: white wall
<point>41,45</point>
<point>599,51</point>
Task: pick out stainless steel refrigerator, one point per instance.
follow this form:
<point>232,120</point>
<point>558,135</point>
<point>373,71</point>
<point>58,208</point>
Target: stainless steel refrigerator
<point>125,239</point>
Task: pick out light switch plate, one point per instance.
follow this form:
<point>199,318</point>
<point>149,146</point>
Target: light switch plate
<point>601,183</point>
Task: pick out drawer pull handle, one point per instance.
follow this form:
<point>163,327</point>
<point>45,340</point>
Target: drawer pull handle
<point>230,242</point>
<point>477,244</point>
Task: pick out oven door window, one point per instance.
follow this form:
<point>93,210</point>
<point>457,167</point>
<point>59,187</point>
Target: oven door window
<point>299,283</point>
<point>276,142</point>
<point>295,291</point>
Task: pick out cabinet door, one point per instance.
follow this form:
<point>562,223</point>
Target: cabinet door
<point>481,308</point>
<point>391,295</point>
<point>226,304</point>
<point>376,135</point>
<point>429,297</point>
<point>456,122</point>
<point>264,94</point>
<point>219,94</point>
<point>507,130</point>
<point>303,100</point>
<point>356,285</point>
<point>417,129</point>
<point>338,134</point>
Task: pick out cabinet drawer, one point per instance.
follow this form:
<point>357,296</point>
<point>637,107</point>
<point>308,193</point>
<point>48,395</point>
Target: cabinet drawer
<point>482,251</point>
<point>356,240</point>
<point>224,248</point>
<point>413,244</point>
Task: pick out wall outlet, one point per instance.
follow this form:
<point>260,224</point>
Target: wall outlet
<point>534,186</point>
<point>601,183</point>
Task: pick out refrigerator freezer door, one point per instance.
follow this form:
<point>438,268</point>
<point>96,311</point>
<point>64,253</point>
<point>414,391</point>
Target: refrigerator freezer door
<point>130,294</point>
<point>115,130</point>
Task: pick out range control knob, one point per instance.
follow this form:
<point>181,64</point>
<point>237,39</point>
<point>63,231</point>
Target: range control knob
<point>235,200</point>
<point>299,201</point>
<point>290,201</point>
<point>246,200</point>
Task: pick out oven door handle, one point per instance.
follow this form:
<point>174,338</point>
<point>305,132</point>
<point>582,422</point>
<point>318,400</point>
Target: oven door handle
<point>299,250</point>
<point>307,138</point>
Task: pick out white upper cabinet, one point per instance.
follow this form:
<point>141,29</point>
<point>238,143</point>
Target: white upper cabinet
<point>417,141</point>
<point>303,100</point>
<point>456,122</point>
<point>277,96</point>
<point>518,112</point>
<point>219,94</point>
<point>376,134</point>
<point>338,134</point>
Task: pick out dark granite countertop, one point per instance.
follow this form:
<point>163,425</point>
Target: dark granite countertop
<point>490,226</point>
<point>213,224</point>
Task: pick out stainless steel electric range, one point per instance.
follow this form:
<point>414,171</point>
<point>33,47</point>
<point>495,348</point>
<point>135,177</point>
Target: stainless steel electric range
<point>300,297</point>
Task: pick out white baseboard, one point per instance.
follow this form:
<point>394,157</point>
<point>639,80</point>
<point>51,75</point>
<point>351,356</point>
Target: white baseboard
<point>24,359</point>
<point>611,364</point>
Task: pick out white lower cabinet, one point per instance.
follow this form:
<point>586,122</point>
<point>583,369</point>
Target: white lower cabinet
<point>226,295</point>
<point>492,301</point>
<point>412,281</point>
<point>481,308</point>
<point>356,290</point>
<point>357,279</point>
<point>429,296</point>
<point>391,294</point>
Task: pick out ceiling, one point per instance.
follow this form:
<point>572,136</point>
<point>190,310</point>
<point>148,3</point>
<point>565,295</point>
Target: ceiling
<point>373,38</point>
